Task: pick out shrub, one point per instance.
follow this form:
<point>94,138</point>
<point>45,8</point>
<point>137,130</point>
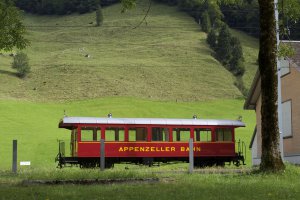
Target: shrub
<point>224,47</point>
<point>99,16</point>
<point>21,64</point>
<point>212,39</point>
<point>205,22</point>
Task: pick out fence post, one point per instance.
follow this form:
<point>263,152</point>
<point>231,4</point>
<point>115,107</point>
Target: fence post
<point>102,154</point>
<point>15,154</point>
<point>191,156</point>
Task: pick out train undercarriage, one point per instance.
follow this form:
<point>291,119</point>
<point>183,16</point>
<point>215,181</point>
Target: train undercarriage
<point>92,162</point>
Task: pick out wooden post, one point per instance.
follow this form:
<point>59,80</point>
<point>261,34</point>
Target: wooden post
<point>102,154</point>
<point>191,156</point>
<point>15,156</point>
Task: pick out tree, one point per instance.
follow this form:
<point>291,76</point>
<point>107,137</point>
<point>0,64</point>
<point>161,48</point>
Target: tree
<point>205,22</point>
<point>212,39</point>
<point>270,159</point>
<point>223,45</point>
<point>236,58</point>
<point>99,16</point>
<point>21,64</point>
<point>11,29</point>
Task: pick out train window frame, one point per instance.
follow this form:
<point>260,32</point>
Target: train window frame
<point>180,129</point>
<point>163,131</point>
<point>203,132</point>
<point>96,136</point>
<point>223,135</point>
<point>133,128</point>
<point>121,134</point>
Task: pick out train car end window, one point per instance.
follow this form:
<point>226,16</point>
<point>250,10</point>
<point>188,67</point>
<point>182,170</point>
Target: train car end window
<point>223,134</point>
<point>89,134</point>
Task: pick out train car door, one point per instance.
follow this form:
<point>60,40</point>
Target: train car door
<point>73,143</point>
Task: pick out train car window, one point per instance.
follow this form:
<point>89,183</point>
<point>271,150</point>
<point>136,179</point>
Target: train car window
<point>160,134</point>
<point>181,134</point>
<point>223,134</point>
<point>114,134</point>
<point>137,134</point>
<point>90,134</point>
<point>202,135</point>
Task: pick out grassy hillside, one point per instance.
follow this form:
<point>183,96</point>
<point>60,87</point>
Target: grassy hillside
<point>163,68</point>
<point>166,58</point>
<point>35,125</point>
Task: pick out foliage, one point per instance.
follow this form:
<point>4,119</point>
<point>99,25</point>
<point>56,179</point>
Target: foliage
<point>61,7</point>
<point>243,16</point>
<point>236,59</point>
<point>205,22</point>
<point>21,64</point>
<point>11,28</point>
<point>214,11</point>
<point>286,50</point>
<point>223,45</point>
<point>290,10</point>
<point>128,4</point>
<point>99,16</point>
<point>212,39</point>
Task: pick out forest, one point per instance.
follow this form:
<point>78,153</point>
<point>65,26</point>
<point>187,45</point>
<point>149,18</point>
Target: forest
<point>243,16</point>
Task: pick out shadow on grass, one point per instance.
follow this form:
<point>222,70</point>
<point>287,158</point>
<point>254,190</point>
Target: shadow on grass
<point>8,73</point>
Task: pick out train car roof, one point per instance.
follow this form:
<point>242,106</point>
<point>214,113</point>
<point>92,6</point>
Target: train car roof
<point>69,122</point>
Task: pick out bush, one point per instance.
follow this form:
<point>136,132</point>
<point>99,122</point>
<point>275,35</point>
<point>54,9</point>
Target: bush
<point>212,39</point>
<point>238,69</point>
<point>224,46</point>
<point>99,16</point>
<point>205,22</point>
<point>21,64</point>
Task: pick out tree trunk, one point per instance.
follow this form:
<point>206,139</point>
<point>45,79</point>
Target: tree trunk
<point>270,159</point>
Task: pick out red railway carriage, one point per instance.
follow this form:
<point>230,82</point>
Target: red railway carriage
<point>148,140</point>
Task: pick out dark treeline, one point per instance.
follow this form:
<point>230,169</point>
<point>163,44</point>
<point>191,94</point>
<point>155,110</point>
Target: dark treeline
<point>61,7</point>
<point>243,16</point>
